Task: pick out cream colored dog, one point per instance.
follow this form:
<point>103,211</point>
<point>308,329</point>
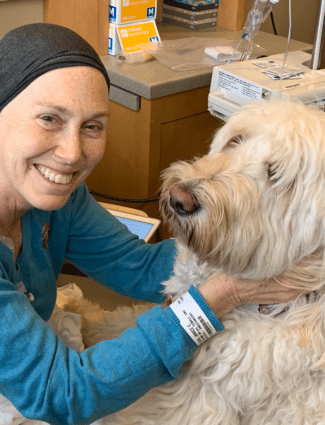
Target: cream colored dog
<point>255,208</point>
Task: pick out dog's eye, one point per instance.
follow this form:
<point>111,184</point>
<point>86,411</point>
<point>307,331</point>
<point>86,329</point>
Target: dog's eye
<point>233,142</point>
<point>271,171</point>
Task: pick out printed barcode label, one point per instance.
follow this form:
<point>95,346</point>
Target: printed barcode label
<point>206,327</point>
<point>193,319</point>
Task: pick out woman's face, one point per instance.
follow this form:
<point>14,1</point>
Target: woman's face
<point>51,137</point>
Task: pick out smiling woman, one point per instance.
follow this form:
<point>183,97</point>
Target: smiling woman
<point>61,144</point>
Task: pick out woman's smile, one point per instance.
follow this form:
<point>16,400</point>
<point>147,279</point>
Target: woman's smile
<point>54,176</point>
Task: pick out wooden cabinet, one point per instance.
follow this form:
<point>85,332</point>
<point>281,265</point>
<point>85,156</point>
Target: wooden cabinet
<point>140,144</point>
<point>88,18</point>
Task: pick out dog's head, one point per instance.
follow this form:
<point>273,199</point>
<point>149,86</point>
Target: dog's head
<point>255,205</point>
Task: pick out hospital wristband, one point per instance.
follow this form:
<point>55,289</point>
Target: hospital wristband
<point>193,319</point>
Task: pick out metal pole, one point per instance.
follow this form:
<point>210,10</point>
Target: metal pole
<point>318,55</point>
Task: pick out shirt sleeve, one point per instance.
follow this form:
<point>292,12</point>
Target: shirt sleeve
<point>48,381</point>
<point>104,249</point>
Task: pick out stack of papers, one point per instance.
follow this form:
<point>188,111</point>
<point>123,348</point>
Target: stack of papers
<point>275,70</point>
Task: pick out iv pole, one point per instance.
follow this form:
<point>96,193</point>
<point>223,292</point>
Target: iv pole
<point>318,55</point>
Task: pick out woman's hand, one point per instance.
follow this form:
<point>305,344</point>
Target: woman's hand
<point>223,293</point>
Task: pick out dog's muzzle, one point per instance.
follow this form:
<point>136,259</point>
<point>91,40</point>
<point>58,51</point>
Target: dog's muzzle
<point>182,201</point>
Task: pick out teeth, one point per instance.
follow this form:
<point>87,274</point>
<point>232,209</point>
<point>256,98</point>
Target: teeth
<point>57,178</point>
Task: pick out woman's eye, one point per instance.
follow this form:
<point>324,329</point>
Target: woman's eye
<point>47,118</point>
<point>94,129</point>
<point>48,121</point>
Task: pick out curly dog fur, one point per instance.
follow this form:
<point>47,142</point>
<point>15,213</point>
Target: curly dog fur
<point>254,207</point>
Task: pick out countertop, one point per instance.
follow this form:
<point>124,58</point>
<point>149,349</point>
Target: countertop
<point>153,79</point>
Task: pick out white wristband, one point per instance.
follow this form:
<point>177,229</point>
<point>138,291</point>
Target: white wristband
<point>193,319</point>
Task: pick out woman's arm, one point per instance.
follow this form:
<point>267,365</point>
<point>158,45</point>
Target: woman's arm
<point>47,381</point>
<point>104,249</point>
<point>223,293</point>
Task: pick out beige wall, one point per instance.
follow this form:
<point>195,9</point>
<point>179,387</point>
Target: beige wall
<point>14,13</point>
<point>304,19</point>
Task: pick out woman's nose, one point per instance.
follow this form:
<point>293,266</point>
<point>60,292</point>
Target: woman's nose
<point>69,149</point>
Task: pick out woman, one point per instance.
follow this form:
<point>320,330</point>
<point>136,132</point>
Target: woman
<point>53,115</point>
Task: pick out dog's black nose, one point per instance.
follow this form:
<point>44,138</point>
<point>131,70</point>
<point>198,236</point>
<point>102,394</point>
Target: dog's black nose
<point>182,201</point>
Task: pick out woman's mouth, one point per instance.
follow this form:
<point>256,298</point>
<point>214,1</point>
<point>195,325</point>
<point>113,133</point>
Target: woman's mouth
<point>53,176</point>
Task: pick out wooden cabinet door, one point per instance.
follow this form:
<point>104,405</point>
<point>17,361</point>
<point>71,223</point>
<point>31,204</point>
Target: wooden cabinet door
<point>88,18</point>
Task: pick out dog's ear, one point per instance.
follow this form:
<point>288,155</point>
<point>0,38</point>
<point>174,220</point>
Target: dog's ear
<point>233,142</point>
<point>228,137</point>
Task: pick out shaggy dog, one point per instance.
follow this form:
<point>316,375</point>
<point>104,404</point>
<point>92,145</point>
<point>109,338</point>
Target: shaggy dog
<point>254,207</point>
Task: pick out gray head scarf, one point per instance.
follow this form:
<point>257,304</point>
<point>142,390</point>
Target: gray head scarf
<point>31,50</point>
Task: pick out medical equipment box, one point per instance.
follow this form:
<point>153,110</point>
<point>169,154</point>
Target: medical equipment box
<point>237,84</point>
<point>126,11</point>
<point>132,37</point>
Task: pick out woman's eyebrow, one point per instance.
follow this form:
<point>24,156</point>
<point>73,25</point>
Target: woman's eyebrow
<point>66,111</point>
<point>100,114</point>
<point>53,106</point>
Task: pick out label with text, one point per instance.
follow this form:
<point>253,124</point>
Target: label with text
<point>193,319</point>
<point>238,86</point>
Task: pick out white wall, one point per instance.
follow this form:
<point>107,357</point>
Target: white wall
<point>14,13</point>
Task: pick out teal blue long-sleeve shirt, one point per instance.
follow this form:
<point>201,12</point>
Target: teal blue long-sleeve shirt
<point>48,381</point>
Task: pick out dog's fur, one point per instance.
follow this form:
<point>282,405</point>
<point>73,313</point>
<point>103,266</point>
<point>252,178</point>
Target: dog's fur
<point>260,196</point>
